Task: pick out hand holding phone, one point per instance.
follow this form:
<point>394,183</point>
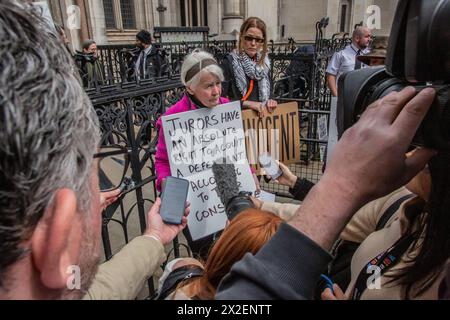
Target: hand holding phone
<point>158,229</point>
<point>270,166</point>
<point>173,200</point>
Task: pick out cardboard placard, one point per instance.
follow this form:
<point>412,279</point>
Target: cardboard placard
<point>194,141</point>
<point>278,134</point>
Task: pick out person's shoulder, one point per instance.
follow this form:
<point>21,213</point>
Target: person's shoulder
<point>180,106</point>
<point>341,52</point>
<point>224,100</point>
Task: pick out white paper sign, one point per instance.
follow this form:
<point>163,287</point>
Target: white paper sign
<point>265,196</point>
<point>322,132</point>
<point>207,214</point>
<point>322,127</point>
<point>194,141</point>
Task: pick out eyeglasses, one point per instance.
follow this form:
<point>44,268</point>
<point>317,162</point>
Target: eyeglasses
<point>250,39</point>
<point>112,167</point>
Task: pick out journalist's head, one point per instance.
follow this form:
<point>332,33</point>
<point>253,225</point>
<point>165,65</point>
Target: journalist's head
<point>49,199</point>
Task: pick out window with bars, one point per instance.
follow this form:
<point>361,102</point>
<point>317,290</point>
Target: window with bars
<point>345,12</point>
<point>128,15</point>
<point>119,14</point>
<point>194,13</point>
<point>110,19</point>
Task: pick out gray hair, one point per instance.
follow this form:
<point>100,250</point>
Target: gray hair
<point>359,32</point>
<point>197,56</point>
<point>48,128</point>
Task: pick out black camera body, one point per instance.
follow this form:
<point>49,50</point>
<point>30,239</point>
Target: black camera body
<point>418,55</point>
<point>238,203</point>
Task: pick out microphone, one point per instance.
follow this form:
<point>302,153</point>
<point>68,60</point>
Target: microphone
<point>228,190</point>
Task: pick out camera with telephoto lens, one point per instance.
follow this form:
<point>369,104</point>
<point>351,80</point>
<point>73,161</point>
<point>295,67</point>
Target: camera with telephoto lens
<point>418,55</point>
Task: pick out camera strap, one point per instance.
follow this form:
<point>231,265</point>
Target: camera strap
<point>384,261</point>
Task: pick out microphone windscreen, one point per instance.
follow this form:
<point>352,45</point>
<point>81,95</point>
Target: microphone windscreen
<point>226,181</point>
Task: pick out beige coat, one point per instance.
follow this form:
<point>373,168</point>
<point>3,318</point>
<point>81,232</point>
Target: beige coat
<point>122,277</point>
<point>284,210</point>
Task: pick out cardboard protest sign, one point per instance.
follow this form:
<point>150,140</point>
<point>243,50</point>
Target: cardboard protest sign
<point>278,134</point>
<point>194,141</point>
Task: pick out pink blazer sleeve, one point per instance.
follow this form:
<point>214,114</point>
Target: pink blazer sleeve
<point>162,165</point>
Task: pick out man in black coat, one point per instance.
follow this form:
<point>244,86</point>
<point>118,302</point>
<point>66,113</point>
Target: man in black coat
<point>151,60</point>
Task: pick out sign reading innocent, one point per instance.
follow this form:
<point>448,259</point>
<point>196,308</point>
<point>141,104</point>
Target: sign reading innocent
<point>278,134</point>
<point>195,140</point>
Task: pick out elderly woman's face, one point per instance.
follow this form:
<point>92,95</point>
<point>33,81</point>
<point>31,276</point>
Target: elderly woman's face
<point>208,90</point>
<point>253,41</point>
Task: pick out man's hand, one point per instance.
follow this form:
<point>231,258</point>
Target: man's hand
<point>287,178</point>
<point>107,198</point>
<point>163,231</point>
<point>368,162</point>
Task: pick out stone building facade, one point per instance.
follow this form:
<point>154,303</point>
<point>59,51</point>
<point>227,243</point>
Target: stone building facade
<point>117,21</point>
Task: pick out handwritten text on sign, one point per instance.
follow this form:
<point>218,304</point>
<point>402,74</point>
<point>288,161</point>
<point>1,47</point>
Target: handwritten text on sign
<point>207,211</point>
<point>195,140</point>
<point>278,134</point>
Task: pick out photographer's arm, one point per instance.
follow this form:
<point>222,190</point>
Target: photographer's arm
<point>368,162</point>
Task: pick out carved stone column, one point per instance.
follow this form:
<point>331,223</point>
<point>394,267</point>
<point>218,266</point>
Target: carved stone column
<point>232,16</point>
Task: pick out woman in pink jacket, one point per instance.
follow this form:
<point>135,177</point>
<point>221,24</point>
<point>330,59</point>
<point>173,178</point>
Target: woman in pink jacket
<point>203,78</point>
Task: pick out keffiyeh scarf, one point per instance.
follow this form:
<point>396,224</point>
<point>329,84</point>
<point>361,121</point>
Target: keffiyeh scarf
<point>244,67</point>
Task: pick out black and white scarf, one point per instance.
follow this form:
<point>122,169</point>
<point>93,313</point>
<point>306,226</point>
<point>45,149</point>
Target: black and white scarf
<point>244,67</point>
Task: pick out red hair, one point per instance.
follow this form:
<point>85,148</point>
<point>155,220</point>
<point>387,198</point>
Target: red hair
<point>248,232</point>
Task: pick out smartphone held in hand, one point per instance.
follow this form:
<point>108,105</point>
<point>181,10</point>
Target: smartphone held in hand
<point>173,200</point>
<point>269,165</point>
